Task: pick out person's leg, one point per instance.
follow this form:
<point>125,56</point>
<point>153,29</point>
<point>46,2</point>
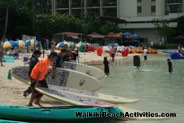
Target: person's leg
<point>39,96</point>
<point>144,58</point>
<point>113,59</point>
<point>32,99</point>
<point>38,99</point>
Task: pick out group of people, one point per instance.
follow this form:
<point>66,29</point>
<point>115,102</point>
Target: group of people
<point>14,52</point>
<point>39,69</point>
<point>37,72</point>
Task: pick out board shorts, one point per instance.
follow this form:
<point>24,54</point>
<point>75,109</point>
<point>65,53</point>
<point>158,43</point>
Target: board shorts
<point>41,83</point>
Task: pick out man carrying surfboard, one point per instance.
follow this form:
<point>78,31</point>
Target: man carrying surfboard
<point>38,77</point>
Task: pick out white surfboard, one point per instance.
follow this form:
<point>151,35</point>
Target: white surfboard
<point>62,77</point>
<point>89,70</point>
<point>82,100</point>
<point>98,96</point>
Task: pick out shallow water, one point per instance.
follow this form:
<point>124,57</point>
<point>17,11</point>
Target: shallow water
<point>156,88</point>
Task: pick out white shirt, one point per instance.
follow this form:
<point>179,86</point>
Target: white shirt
<point>145,52</point>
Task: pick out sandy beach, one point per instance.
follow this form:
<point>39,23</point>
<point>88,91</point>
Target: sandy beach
<point>11,91</point>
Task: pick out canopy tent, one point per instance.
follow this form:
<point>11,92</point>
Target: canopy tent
<point>95,35</point>
<point>69,33</point>
<point>134,36</point>
<point>113,35</point>
<point>126,34</point>
<point>180,37</point>
<point>73,36</point>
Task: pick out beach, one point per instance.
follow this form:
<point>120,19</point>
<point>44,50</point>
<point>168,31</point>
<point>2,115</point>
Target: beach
<point>11,91</point>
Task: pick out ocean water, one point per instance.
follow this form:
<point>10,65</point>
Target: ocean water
<point>156,88</point>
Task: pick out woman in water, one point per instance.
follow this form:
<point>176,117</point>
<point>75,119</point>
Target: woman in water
<point>170,68</point>
<point>106,66</point>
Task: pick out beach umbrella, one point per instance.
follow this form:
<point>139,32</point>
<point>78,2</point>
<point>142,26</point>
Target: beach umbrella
<point>136,41</point>
<point>135,36</point>
<point>32,42</point>
<point>126,34</point>
<point>10,44</point>
<point>63,44</point>
<point>21,43</point>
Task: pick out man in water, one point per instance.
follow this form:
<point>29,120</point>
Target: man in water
<point>38,77</point>
<point>145,54</point>
<point>170,68</point>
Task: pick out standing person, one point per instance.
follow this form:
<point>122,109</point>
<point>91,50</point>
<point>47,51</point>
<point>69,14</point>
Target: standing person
<point>67,57</point>
<point>1,55</point>
<point>106,66</point>
<point>16,53</point>
<point>38,77</point>
<point>33,61</point>
<point>169,63</point>
<point>77,54</point>
<point>60,58</point>
<point>145,54</point>
<point>47,44</point>
<point>151,44</point>
<point>53,44</point>
<point>113,54</point>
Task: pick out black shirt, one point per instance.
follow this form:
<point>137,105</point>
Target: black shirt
<point>33,62</point>
<point>59,61</point>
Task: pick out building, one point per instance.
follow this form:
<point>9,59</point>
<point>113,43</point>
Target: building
<point>139,13</point>
<point>82,8</point>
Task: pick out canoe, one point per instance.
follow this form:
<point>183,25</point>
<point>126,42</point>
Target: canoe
<point>10,121</point>
<point>62,113</point>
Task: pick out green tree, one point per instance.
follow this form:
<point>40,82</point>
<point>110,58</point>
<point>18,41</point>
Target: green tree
<point>16,17</point>
<point>91,24</point>
<point>180,26</point>
<point>163,29</point>
<point>109,27</point>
